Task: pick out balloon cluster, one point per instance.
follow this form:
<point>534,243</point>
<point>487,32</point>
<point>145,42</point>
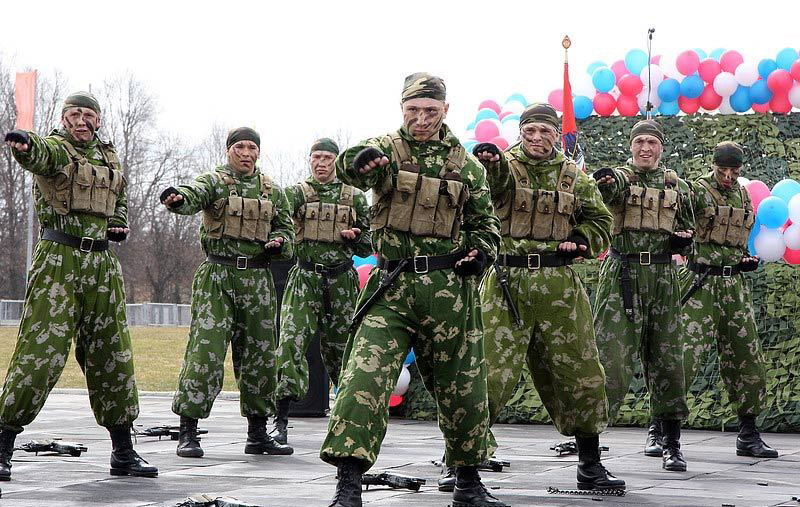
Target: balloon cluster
<point>364,267</point>
<point>496,124</point>
<point>721,81</point>
<point>776,232</point>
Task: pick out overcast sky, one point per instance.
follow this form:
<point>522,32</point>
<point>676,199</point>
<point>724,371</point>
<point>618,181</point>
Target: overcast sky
<point>298,69</point>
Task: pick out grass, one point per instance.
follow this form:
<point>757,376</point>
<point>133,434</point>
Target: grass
<point>157,354</point>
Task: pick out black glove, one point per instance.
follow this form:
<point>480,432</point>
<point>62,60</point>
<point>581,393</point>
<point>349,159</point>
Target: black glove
<point>677,243</point>
<point>166,193</point>
<point>605,171</point>
<point>274,250</point>
<point>473,267</point>
<point>18,136</point>
<point>366,156</point>
<point>578,240</point>
<point>116,236</point>
<point>490,147</point>
<point>748,265</point>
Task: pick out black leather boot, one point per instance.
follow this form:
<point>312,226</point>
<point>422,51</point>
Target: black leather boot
<point>258,442</point>
<point>749,442</point>
<point>348,487</point>
<point>280,432</point>
<point>655,439</point>
<point>124,460</point>
<point>447,481</point>
<point>188,441</point>
<point>592,474</point>
<point>470,491</point>
<point>6,451</point>
<point>673,457</point>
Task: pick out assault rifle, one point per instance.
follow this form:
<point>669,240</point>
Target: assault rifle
<point>210,501</point>
<point>494,465</point>
<point>397,481</point>
<point>56,446</point>
<point>386,282</point>
<point>570,447</point>
<point>163,431</point>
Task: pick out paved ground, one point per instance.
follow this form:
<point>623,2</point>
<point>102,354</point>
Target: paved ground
<point>716,476</point>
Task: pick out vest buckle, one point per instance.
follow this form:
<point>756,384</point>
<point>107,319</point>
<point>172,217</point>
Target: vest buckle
<point>727,271</point>
<point>644,258</point>
<point>420,264</point>
<point>86,244</point>
<point>534,261</point>
<point>241,263</point>
<point>320,269</point>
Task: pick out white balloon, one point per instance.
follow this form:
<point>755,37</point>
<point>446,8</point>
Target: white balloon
<point>791,236</point>
<point>469,134</point>
<point>402,382</point>
<point>656,76</point>
<point>742,181</point>
<point>510,131</point>
<point>746,73</point>
<point>583,85</point>
<point>794,209</point>
<point>725,84</point>
<point>794,95</point>
<point>655,100</point>
<point>513,106</point>
<point>769,244</point>
<point>667,64</point>
<point>725,107</point>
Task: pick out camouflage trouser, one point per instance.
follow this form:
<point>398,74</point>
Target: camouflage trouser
<point>237,307</point>
<point>303,318</point>
<point>436,313</point>
<point>721,313</point>
<point>656,334</point>
<point>80,295</point>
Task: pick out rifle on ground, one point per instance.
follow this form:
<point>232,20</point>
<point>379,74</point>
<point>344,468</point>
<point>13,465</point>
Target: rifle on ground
<point>163,431</point>
<point>570,447</point>
<point>56,446</point>
<point>386,282</point>
<point>205,500</point>
<point>397,481</point>
<point>494,465</point>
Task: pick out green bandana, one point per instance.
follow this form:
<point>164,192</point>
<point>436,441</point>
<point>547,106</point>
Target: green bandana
<point>648,127</point>
<point>81,99</point>
<point>423,85</point>
<point>242,134</point>
<point>325,144</point>
<point>540,113</point>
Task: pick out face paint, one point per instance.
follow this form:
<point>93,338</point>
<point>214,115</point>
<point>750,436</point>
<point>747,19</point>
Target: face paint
<point>423,117</point>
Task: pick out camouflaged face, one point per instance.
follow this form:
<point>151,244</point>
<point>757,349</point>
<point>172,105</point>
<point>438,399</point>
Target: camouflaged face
<point>423,85</point>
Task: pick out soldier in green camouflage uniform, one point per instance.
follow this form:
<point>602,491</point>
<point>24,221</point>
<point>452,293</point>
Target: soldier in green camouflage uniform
<point>637,304</point>
<point>331,225</point>
<point>550,213</point>
<point>718,308</point>
<point>75,289</point>
<point>434,226</point>
<point>245,223</point>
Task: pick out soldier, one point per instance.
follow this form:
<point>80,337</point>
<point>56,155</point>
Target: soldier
<point>321,291</point>
<point>246,222</point>
<point>717,306</point>
<point>75,287</point>
<point>637,305</point>
<point>435,229</point>
<point>534,306</point>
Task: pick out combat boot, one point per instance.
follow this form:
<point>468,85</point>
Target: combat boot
<point>348,487</point>
<point>259,442</point>
<point>749,442</point>
<point>673,457</point>
<point>188,441</point>
<point>470,491</point>
<point>280,432</point>
<point>447,481</point>
<point>7,438</point>
<point>592,475</point>
<point>124,460</point>
<point>655,439</point>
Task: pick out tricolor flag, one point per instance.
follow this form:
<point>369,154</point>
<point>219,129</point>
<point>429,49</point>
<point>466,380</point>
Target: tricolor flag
<point>569,129</point>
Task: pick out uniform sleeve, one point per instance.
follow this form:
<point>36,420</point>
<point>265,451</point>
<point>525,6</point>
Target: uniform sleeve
<point>198,195</point>
<point>120,218</point>
<point>481,225</point>
<point>499,178</point>
<point>45,156</point>
<point>594,221</point>
<point>294,198</point>
<point>348,175</point>
<point>282,225</point>
<point>613,192</point>
<point>686,212</point>
<point>363,245</point>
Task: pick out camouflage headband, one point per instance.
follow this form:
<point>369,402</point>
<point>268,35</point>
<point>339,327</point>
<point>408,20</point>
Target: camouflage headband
<point>325,144</point>
<point>423,85</point>
<point>540,113</point>
<point>647,127</point>
<point>81,99</point>
<point>728,154</point>
<point>242,134</point>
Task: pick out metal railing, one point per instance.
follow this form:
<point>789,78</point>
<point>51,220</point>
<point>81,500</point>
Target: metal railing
<point>141,314</point>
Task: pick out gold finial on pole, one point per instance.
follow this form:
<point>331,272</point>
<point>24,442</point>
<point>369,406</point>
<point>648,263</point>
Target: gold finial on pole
<point>566,43</point>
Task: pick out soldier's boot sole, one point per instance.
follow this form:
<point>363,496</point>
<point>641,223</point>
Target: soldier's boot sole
<point>132,473</point>
<point>446,486</point>
<point>674,467</point>
<point>739,452</point>
<point>193,452</point>
<point>260,449</point>
<point>654,452</point>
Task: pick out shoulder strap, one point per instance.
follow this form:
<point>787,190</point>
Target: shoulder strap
<point>568,176</point>
<point>309,194</point>
<point>70,149</point>
<point>400,148</point>
<point>518,171</point>
<point>456,159</point>
<point>746,203</point>
<point>718,199</point>
<point>346,195</point>
<point>266,185</point>
<point>670,179</point>
<point>228,181</point>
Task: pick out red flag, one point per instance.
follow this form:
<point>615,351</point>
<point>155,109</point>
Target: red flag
<point>25,98</point>
<point>568,125</point>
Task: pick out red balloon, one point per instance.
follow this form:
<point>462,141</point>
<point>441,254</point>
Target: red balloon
<point>627,105</point>
<point>791,256</point>
<point>363,274</point>
<point>760,108</point>
<point>730,60</point>
<point>488,103</point>
<point>688,106</point>
<point>630,85</point>
<point>794,70</point>
<point>604,104</point>
<point>779,81</point>
<point>709,68</point>
<point>619,69</point>
<point>779,103</point>
<point>687,62</point>
<point>504,114</point>
<point>500,142</point>
<point>556,99</point>
<point>709,100</point>
<point>485,130</point>
<point>758,191</point>
<point>395,400</point>
<point>655,59</point>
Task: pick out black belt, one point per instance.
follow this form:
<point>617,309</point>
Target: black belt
<point>327,273</point>
<point>641,258</point>
<point>422,264</point>
<point>725,271</point>
<point>84,244</point>
<point>239,262</point>
<point>535,261</point>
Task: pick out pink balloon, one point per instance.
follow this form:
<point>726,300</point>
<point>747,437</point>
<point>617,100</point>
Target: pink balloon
<point>630,85</point>
<point>627,105</point>
<point>486,130</point>
<point>604,104</point>
<point>795,70</point>
<point>779,103</point>
<point>779,81</point>
<point>758,191</point>
<point>655,60</point>
<point>709,68</point>
<point>504,114</point>
<point>500,142</point>
<point>730,60</point>
<point>363,274</point>
<point>761,108</point>
<point>556,99</point>
<point>687,62</point>
<point>488,103</point>
<point>619,69</point>
<point>687,105</point>
<point>791,256</point>
<point>709,99</point>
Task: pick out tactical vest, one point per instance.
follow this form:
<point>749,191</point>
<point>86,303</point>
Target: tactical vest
<point>82,186</point>
<point>648,209</point>
<point>323,221</point>
<point>238,217</point>
<point>422,205</point>
<point>723,224</point>
<point>539,214</point>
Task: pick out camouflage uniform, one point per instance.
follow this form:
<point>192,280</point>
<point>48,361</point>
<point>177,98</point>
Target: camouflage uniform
<point>303,315</point>
<point>434,312</point>
<point>231,305</point>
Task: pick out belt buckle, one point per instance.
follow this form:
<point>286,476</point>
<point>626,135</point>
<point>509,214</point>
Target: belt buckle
<point>417,269</point>
<point>727,271</point>
<point>83,248</point>
<point>241,263</point>
<point>534,265</point>
<point>644,258</point>
<point>320,269</point>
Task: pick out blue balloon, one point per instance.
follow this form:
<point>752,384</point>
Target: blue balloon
<point>410,357</point>
<point>740,100</point>
<point>594,66</point>
<point>760,92</point>
<point>786,58</point>
<point>669,108</point>
<point>669,90</point>
<point>486,114</point>
<point>510,117</point>
<point>717,53</point>
<point>604,79</point>
<point>518,97</point>
<point>692,87</point>
<point>468,145</point>
<point>751,241</point>
<point>766,66</point>
<point>370,260</point>
<point>635,61</point>
<point>700,53</point>
<point>471,126</point>
<point>786,189</point>
<point>582,106</point>
<point>773,212</point>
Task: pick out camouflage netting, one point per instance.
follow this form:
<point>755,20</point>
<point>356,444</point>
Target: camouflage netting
<point>772,153</point>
